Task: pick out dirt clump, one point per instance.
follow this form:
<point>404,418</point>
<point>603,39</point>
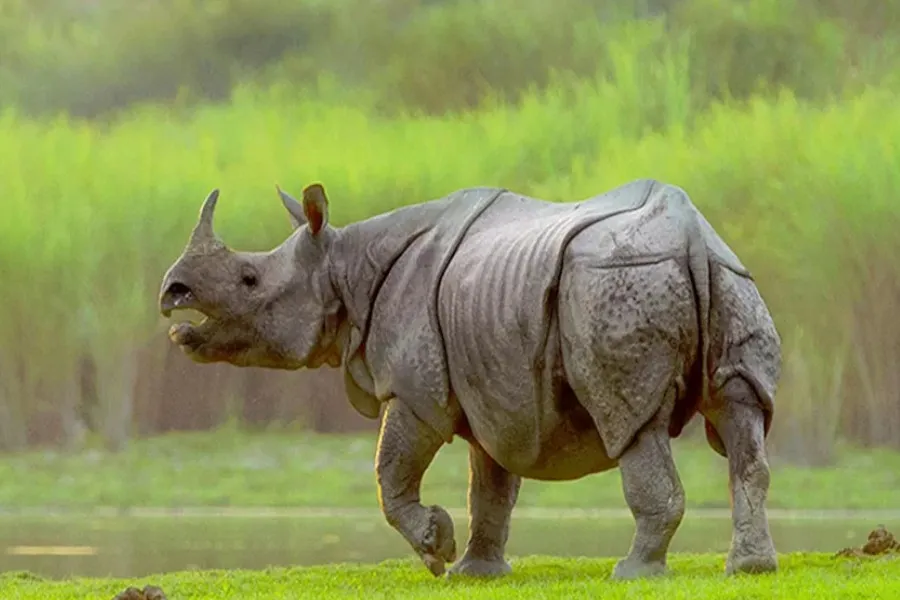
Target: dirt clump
<point>880,542</point>
<point>150,592</point>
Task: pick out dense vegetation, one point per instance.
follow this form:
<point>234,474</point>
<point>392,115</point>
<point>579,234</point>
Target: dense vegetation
<point>778,117</point>
<point>430,55</point>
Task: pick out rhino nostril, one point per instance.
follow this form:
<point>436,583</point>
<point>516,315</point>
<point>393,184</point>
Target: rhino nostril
<point>178,290</point>
<point>177,295</point>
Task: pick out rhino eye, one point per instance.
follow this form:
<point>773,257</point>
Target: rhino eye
<point>249,280</point>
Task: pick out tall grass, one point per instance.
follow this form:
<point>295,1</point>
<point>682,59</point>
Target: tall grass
<point>806,194</point>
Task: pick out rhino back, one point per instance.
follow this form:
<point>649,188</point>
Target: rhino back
<point>719,251</point>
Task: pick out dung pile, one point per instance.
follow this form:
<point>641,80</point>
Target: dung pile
<point>880,542</point>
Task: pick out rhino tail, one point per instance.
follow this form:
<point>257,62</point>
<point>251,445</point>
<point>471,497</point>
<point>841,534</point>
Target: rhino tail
<point>696,393</point>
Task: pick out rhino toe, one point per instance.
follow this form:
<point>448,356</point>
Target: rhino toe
<point>629,568</point>
<point>439,544</point>
<point>751,564</point>
<point>477,567</point>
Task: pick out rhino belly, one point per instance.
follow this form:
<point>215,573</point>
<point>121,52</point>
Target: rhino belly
<point>560,443</point>
<point>570,448</point>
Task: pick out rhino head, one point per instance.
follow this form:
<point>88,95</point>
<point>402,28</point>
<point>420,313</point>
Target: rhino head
<point>275,309</point>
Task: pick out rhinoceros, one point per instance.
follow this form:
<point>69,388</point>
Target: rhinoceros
<point>557,339</point>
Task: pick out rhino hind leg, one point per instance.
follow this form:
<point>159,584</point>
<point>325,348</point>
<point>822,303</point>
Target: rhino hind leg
<point>739,422</point>
<point>655,495</point>
<point>406,448</point>
<point>492,495</point>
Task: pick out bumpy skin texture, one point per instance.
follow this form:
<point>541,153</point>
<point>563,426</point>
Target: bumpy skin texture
<point>558,340</point>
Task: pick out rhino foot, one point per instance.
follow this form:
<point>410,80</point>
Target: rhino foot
<point>438,545</point>
<point>751,564</point>
<point>479,567</point>
<point>740,423</point>
<point>629,568</point>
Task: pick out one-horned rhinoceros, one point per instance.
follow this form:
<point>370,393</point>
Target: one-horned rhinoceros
<point>557,339</point>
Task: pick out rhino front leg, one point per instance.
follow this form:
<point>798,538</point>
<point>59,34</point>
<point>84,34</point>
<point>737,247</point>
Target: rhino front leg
<point>740,423</point>
<point>655,495</point>
<point>406,447</point>
<point>492,495</point>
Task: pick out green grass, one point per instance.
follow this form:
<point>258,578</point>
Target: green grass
<point>692,576</point>
<point>302,470</point>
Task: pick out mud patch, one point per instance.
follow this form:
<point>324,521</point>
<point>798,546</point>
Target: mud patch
<point>881,542</point>
<point>150,592</point>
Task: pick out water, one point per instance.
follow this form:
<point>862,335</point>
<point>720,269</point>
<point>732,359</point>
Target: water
<point>64,546</point>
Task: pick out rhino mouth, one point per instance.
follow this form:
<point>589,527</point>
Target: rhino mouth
<point>191,331</point>
<point>204,333</point>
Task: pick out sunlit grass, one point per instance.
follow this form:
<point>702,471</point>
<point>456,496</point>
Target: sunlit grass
<point>692,576</point>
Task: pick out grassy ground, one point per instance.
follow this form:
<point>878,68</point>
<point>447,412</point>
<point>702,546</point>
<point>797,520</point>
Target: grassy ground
<point>285,469</point>
<point>693,576</point>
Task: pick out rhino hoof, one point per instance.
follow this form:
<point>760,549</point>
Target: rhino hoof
<point>751,564</point>
<point>476,567</point>
<point>436,565</point>
<point>439,543</point>
<point>628,569</point>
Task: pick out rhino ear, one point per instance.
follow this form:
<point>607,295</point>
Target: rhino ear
<point>315,207</point>
<point>294,208</point>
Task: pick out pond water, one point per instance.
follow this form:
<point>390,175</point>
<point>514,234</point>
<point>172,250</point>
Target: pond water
<point>64,546</point>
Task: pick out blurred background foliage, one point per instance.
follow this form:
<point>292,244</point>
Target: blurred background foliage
<point>91,57</point>
<point>779,118</point>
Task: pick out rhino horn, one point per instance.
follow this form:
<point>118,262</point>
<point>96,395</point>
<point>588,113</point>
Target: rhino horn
<point>203,230</point>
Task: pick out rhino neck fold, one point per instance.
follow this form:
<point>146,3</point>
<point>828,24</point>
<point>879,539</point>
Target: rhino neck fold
<point>361,258</point>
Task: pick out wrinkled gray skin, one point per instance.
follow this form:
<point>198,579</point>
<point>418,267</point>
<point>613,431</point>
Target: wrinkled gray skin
<point>558,340</point>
